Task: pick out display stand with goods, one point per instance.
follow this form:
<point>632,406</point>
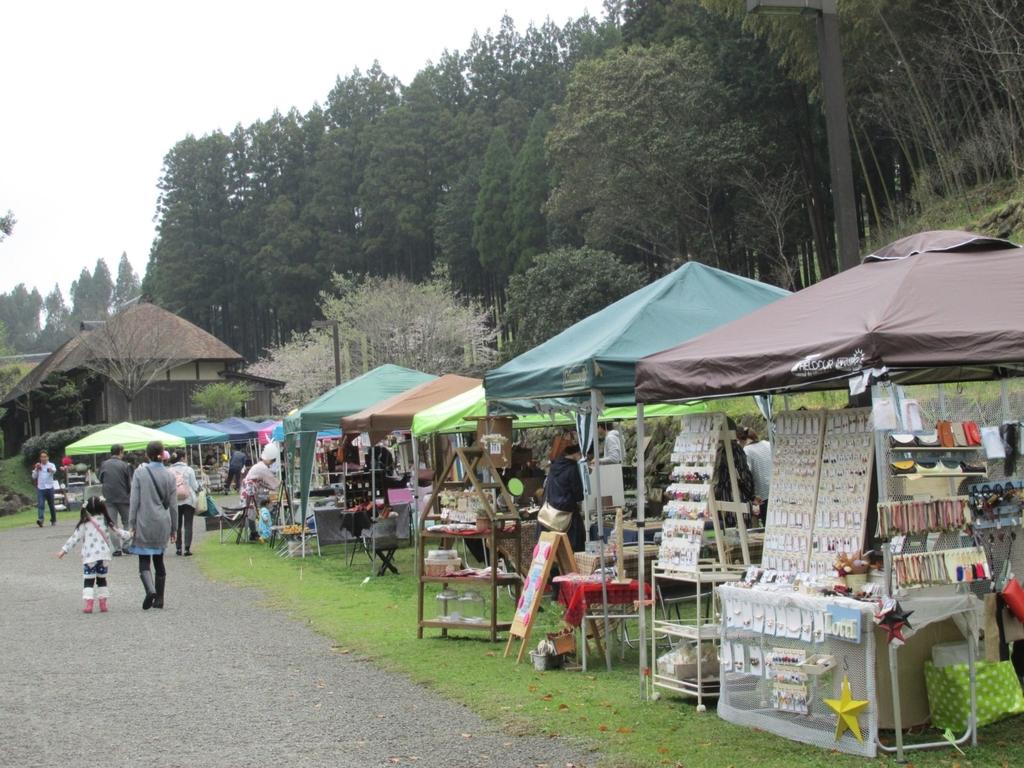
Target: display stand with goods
<point>791,655</point>
<point>925,310</point>
<point>552,548</point>
<point>947,524</point>
<point>690,507</point>
<point>786,655</point>
<point>481,493</point>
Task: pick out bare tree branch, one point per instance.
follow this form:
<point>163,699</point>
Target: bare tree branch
<point>131,354</point>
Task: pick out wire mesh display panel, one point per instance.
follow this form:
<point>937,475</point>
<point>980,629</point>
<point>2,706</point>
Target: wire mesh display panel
<point>989,404</point>
<point>783,654</point>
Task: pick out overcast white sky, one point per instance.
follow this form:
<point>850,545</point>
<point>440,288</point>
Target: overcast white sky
<point>94,95</point>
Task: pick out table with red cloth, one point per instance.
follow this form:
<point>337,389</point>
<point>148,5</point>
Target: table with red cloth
<point>577,594</point>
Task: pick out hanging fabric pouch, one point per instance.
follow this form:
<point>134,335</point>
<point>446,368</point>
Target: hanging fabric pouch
<point>1013,596</point>
<point>993,443</point>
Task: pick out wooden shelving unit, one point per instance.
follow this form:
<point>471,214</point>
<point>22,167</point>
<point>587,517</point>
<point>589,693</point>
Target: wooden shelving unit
<point>482,478</point>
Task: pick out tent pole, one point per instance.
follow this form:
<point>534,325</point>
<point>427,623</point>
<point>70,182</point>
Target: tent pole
<point>373,500</point>
<point>599,509</point>
<point>414,518</point>
<point>641,517</point>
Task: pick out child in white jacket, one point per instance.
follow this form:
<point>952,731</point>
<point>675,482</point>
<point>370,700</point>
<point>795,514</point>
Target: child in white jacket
<point>93,531</point>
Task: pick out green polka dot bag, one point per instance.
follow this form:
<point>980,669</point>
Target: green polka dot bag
<point>949,693</point>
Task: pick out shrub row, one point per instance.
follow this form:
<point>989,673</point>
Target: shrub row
<point>55,442</point>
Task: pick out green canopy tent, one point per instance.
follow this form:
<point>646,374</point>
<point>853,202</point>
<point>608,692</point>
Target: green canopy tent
<point>593,363</point>
<point>327,411</point>
<point>458,414</point>
<point>132,436</point>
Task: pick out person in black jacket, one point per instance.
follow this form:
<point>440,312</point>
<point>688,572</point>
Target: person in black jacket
<point>563,490</point>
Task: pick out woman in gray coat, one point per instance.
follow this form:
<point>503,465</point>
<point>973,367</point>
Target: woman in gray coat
<point>153,520</point>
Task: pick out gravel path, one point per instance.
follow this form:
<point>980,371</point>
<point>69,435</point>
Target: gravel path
<point>212,680</point>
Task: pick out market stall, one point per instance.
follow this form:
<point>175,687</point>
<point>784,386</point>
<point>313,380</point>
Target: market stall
<point>396,415</point>
<point>591,365</point>
<point>325,412</point>
<point>195,435</point>
<point>798,658</point>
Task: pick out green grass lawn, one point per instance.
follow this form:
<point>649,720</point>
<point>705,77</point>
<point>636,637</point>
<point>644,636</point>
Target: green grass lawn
<point>377,620</point>
<point>15,476</point>
<point>20,519</point>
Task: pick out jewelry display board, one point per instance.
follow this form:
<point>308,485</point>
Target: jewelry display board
<point>799,666</point>
<point>821,483</point>
<point>844,488</point>
<point>796,465</point>
<point>691,493</point>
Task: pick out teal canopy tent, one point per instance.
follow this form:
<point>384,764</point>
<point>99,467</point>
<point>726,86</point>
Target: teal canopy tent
<point>327,411</point>
<point>593,363</point>
<point>600,352</point>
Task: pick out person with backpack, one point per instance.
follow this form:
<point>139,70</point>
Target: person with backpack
<point>153,521</point>
<point>186,486</point>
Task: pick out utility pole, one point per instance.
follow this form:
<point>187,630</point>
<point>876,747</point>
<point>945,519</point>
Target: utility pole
<point>833,92</point>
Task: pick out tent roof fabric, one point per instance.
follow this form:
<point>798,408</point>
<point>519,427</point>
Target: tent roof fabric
<point>460,413</point>
<point>132,436</point>
<point>327,411</point>
<point>237,428</point>
<point>397,412</point>
<point>929,314</point>
<point>600,352</point>
<point>193,433</point>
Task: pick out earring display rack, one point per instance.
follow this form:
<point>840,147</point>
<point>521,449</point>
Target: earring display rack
<point>796,466</point>
<point>821,483</point>
<point>844,488</point>
<point>691,494</point>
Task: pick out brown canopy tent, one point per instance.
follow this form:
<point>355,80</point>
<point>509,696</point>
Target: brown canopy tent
<point>397,412</point>
<point>936,306</point>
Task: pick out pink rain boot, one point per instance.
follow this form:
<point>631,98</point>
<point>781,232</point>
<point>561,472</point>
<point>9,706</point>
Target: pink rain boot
<point>87,593</point>
<point>102,593</point>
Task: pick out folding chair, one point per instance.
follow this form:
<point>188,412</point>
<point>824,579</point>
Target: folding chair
<point>234,518</point>
<point>381,539</point>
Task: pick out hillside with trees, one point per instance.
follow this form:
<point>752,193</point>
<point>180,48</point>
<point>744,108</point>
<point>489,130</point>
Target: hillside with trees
<point>665,131</point>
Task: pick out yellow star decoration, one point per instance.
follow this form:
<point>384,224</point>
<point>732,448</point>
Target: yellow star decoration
<point>847,708</point>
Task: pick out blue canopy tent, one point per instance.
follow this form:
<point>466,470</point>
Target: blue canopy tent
<point>237,429</point>
<point>593,363</point>
<point>194,434</point>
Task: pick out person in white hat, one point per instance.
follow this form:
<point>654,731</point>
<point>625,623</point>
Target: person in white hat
<point>260,481</point>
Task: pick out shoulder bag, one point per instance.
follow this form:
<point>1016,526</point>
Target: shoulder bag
<point>554,519</point>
